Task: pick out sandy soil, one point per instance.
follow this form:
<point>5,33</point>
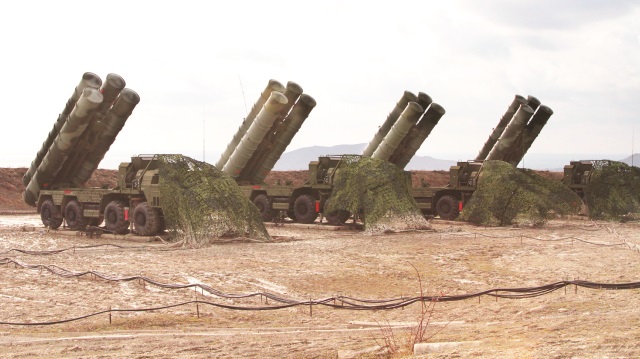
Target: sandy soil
<point>311,263</point>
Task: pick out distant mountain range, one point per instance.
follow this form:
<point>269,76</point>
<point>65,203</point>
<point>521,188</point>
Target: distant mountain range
<point>632,160</point>
<point>300,158</point>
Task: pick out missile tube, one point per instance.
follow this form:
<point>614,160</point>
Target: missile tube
<point>388,123</point>
<point>89,80</point>
<point>502,124</point>
<point>509,136</point>
<point>255,134</point>
<point>398,131</point>
<point>246,124</point>
<point>110,90</point>
<point>416,138</point>
<point>69,134</point>
<point>531,132</point>
<point>113,123</point>
<point>292,124</point>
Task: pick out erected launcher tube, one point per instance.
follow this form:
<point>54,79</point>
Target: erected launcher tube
<point>292,93</point>
<point>292,124</point>
<point>57,154</point>
<point>499,129</point>
<point>110,90</point>
<point>246,124</point>
<point>388,123</point>
<point>398,131</point>
<point>113,123</point>
<point>508,138</point>
<point>89,80</point>
<point>416,138</point>
<point>255,134</point>
<point>530,133</point>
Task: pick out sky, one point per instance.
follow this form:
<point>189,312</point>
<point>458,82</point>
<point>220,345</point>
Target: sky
<point>199,66</point>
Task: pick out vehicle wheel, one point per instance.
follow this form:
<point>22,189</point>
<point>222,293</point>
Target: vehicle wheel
<point>114,218</point>
<point>447,208</point>
<point>49,214</point>
<point>147,220</point>
<point>304,209</point>
<point>74,216</point>
<point>339,217</point>
<point>264,207</point>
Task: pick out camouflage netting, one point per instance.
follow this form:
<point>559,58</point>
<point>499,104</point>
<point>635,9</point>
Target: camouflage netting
<point>507,195</point>
<point>201,203</point>
<point>613,191</point>
<point>378,190</point>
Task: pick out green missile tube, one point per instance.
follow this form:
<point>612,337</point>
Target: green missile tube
<point>255,134</point>
<point>533,102</point>
<point>408,118</point>
<point>110,90</point>
<point>424,100</point>
<point>292,93</point>
<point>388,123</point>
<point>502,124</point>
<point>112,124</point>
<point>292,124</point>
<point>273,85</point>
<point>530,133</point>
<point>416,138</point>
<point>508,138</point>
<point>89,79</point>
<point>59,151</point>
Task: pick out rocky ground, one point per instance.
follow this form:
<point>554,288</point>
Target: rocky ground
<point>313,262</point>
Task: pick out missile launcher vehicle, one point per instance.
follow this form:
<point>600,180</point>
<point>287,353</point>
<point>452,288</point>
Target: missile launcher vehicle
<point>509,141</point>
<point>83,133</point>
<point>258,144</point>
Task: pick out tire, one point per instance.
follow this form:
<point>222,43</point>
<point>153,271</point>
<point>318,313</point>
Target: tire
<point>264,207</point>
<point>114,217</point>
<point>147,220</point>
<point>447,208</point>
<point>50,215</point>
<point>304,208</point>
<point>339,217</point>
<point>74,216</point>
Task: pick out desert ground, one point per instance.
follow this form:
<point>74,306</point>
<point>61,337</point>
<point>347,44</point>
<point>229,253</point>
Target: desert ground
<point>307,263</point>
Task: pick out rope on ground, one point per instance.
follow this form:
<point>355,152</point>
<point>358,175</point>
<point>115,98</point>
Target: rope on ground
<point>349,303</point>
<point>337,302</point>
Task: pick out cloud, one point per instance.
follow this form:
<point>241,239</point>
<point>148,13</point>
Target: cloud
<point>549,14</point>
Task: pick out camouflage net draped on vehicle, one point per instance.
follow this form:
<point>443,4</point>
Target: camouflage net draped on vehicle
<point>201,203</point>
<point>613,191</point>
<point>379,191</point>
<point>507,195</point>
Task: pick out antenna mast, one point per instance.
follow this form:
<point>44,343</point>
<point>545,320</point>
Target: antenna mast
<point>246,111</point>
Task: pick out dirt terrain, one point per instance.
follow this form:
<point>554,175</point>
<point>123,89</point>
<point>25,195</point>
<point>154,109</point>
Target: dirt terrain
<point>310,263</point>
<point>46,277</point>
